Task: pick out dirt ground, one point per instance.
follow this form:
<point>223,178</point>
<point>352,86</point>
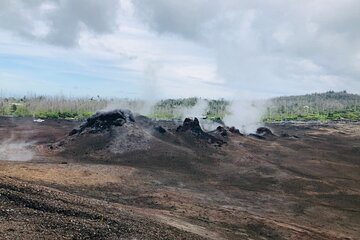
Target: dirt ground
<point>303,183</point>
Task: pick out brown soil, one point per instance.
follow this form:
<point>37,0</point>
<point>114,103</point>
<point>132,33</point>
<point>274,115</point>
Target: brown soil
<point>300,185</point>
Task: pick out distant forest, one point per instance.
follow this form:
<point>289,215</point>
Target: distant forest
<point>318,106</point>
<point>81,108</point>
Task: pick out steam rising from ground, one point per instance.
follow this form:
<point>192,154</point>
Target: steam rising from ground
<point>137,106</point>
<point>196,111</point>
<point>243,114</point>
<point>15,151</point>
<point>199,111</point>
<point>246,115</point>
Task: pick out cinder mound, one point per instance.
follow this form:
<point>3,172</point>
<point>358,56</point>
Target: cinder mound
<point>193,127</point>
<point>104,120</point>
<point>121,137</point>
<point>226,131</point>
<point>106,134</point>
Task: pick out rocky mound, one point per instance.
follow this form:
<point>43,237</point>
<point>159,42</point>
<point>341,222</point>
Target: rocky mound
<point>222,131</point>
<point>160,129</point>
<point>193,127</point>
<point>225,131</point>
<point>104,120</point>
<point>120,137</point>
<point>235,131</point>
<point>262,133</point>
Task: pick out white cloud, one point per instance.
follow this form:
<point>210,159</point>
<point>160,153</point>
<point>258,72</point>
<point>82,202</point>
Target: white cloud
<point>58,22</point>
<point>200,47</point>
<point>276,42</point>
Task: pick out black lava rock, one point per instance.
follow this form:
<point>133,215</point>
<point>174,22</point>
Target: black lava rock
<point>104,120</point>
<point>160,129</point>
<point>193,126</point>
<point>264,131</point>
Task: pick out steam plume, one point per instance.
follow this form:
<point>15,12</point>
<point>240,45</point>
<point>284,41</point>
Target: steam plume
<point>246,115</point>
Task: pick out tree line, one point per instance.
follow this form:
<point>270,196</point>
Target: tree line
<point>317,106</point>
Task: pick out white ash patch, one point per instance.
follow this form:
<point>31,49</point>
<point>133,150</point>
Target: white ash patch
<point>129,138</point>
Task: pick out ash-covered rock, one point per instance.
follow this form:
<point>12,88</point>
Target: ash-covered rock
<point>222,131</point>
<point>226,131</point>
<point>193,127</point>
<point>160,129</point>
<point>234,130</point>
<point>104,120</point>
<point>264,131</point>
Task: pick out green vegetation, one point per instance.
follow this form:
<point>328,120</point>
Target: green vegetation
<point>82,108</point>
<point>172,108</point>
<point>329,106</point>
<point>217,109</point>
<point>50,108</point>
<point>175,108</point>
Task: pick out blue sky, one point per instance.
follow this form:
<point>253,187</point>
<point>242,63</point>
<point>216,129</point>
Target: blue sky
<point>45,75</point>
<point>167,48</point>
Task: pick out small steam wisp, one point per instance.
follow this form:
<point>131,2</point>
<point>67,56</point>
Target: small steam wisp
<point>15,151</point>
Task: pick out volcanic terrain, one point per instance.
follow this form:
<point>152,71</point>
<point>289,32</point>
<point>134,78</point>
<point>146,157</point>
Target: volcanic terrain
<point>124,176</point>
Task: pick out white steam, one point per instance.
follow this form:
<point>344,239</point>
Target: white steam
<point>199,111</point>
<point>196,111</point>
<point>15,151</point>
<point>150,94</point>
<point>246,115</point>
<point>136,106</point>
